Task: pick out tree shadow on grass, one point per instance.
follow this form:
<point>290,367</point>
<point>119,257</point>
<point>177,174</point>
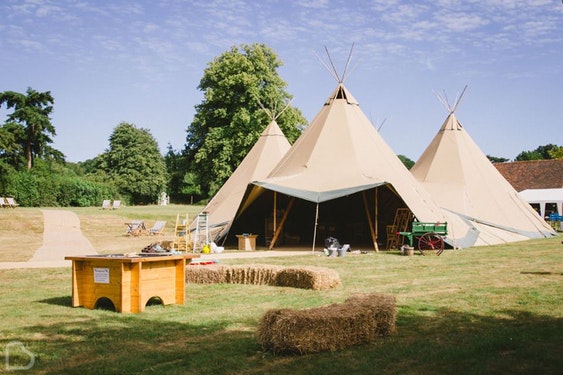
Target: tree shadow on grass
<point>430,342</point>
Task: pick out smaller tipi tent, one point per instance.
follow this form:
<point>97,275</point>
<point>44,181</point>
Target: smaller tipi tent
<point>264,155</point>
<point>463,182</point>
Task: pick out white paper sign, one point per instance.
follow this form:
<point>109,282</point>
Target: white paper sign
<point>101,275</point>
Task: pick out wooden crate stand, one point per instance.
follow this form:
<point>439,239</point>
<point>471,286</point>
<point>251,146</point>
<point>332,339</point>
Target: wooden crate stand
<point>129,282</point>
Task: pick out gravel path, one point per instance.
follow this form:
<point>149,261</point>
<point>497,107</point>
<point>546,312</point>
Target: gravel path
<point>62,237</point>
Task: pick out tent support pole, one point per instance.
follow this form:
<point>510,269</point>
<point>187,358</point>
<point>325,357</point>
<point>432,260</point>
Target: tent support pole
<point>275,210</point>
<point>370,223</point>
<point>315,228</point>
<point>284,218</point>
<point>376,219</point>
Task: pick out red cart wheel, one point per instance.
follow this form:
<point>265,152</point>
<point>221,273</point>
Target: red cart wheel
<point>430,243</point>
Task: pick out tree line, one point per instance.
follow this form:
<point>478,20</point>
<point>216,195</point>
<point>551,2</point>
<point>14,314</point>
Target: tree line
<point>242,92</point>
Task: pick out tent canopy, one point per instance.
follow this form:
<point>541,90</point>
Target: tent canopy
<point>340,153</point>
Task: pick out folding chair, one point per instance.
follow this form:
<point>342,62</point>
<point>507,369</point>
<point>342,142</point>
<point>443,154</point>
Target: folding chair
<point>135,228</point>
<point>157,228</point>
<point>11,202</point>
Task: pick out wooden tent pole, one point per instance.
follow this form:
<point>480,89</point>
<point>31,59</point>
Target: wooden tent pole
<point>315,228</point>
<point>370,222</point>
<point>376,219</point>
<point>275,210</point>
<point>284,218</point>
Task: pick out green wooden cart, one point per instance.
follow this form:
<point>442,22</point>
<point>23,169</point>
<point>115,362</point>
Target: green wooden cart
<point>430,236</point>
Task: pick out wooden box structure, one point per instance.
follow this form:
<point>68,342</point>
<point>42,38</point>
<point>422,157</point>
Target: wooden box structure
<point>129,282</point>
<point>247,241</point>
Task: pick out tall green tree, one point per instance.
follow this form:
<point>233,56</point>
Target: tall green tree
<point>540,153</point>
<point>406,161</point>
<point>496,159</point>
<point>30,122</point>
<point>134,162</point>
<point>556,153</point>
<point>10,150</point>
<point>230,118</point>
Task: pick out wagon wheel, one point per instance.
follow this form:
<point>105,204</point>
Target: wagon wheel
<point>430,243</point>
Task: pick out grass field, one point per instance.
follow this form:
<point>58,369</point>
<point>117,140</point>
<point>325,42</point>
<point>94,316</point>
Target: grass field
<point>493,310</point>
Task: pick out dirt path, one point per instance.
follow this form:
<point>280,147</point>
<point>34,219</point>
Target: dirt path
<point>62,237</point>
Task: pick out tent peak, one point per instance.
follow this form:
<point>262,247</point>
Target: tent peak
<point>341,92</point>
<point>332,69</point>
<point>272,113</point>
<point>443,98</point>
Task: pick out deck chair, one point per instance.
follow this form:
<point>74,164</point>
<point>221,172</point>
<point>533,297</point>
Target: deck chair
<point>3,203</point>
<point>135,228</point>
<point>157,228</point>
<point>106,204</point>
<point>116,204</point>
<point>11,202</point>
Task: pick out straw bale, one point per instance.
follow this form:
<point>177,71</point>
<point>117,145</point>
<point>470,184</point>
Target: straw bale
<point>381,306</point>
<point>205,274</point>
<point>253,274</point>
<point>316,278</point>
<point>327,328</point>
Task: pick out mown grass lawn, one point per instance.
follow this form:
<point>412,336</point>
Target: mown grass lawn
<point>475,311</point>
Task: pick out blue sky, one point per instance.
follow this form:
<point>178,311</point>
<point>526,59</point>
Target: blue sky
<point>141,62</point>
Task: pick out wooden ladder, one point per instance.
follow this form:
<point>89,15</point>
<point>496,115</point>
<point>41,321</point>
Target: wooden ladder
<point>403,217</point>
<point>182,238</point>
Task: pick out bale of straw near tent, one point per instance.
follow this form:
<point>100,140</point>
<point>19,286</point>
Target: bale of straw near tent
<point>209,274</point>
<point>253,274</point>
<point>382,308</point>
<point>316,278</point>
<point>359,320</point>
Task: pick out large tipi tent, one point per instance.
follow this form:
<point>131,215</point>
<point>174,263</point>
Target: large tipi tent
<point>340,178</point>
<point>264,155</point>
<point>465,184</point>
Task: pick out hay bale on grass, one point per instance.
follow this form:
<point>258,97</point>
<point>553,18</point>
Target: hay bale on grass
<point>381,306</point>
<point>254,274</point>
<point>205,274</point>
<point>359,320</point>
<point>316,278</point>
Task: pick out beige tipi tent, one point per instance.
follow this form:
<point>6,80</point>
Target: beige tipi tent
<point>465,184</point>
<point>340,178</point>
<point>264,155</point>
